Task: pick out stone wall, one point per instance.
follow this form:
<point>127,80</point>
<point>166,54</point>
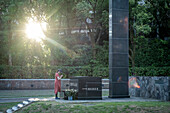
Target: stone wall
<point>19,84</point>
<point>152,87</point>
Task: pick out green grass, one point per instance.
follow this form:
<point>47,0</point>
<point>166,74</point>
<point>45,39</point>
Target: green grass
<point>26,93</point>
<point>5,106</point>
<point>105,107</point>
<point>105,93</point>
<point>32,93</point>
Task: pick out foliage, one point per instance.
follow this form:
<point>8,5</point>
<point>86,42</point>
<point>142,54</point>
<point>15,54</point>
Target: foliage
<point>140,18</point>
<point>41,72</point>
<point>150,71</point>
<point>95,16</point>
<point>88,52</point>
<point>9,20</point>
<point>99,65</point>
<point>71,92</point>
<point>150,20</point>
<point>160,18</point>
<point>139,25</point>
<point>152,52</point>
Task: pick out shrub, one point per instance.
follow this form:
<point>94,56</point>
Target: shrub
<point>41,72</point>
<point>150,71</point>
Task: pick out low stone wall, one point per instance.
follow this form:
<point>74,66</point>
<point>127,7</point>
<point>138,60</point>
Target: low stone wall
<point>26,84</point>
<point>152,87</point>
<point>33,84</point>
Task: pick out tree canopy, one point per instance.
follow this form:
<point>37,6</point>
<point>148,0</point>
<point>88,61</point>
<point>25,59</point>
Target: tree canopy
<point>75,33</point>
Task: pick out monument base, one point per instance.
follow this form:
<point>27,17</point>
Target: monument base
<point>89,88</point>
<point>119,96</point>
<point>90,98</point>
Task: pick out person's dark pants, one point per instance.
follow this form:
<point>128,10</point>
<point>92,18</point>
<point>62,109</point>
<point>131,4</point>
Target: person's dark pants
<point>56,95</point>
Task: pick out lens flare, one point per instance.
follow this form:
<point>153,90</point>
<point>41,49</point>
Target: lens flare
<point>34,30</point>
<point>70,53</point>
<point>133,83</point>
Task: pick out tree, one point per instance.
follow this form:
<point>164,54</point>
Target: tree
<point>95,16</point>
<point>160,14</point>
<point>9,10</point>
<point>58,19</point>
<point>139,25</point>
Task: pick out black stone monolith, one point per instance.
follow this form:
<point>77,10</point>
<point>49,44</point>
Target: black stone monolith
<point>118,48</point>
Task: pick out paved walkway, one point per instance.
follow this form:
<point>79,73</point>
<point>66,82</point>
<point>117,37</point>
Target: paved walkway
<point>105,99</point>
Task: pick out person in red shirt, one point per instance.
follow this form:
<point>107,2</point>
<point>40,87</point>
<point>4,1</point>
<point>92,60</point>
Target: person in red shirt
<point>57,87</point>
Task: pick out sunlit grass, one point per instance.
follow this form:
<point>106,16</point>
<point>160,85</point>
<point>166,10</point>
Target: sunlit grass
<point>105,107</point>
<point>5,106</point>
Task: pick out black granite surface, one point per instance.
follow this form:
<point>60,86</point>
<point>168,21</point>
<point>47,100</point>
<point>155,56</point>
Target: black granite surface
<point>118,48</point>
<point>89,88</point>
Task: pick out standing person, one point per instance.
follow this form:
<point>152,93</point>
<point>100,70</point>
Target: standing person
<point>57,87</point>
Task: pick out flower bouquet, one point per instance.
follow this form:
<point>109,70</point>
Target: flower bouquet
<point>71,93</point>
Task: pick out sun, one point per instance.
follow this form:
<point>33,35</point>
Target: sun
<point>34,30</point>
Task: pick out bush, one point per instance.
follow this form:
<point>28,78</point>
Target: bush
<point>150,71</point>
<point>152,52</point>
<point>41,72</point>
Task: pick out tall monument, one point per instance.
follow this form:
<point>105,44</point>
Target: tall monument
<point>118,48</point>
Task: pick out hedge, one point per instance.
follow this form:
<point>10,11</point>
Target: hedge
<point>40,72</point>
<point>150,71</point>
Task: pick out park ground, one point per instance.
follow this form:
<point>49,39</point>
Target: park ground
<point>108,107</point>
<point>76,107</point>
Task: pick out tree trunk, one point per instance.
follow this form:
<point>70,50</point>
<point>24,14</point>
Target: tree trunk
<point>52,57</point>
<point>68,29</point>
<point>133,48</point>
<point>9,44</point>
<point>9,59</point>
<point>93,43</point>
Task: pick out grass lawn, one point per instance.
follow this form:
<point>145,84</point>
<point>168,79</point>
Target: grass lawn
<point>5,106</point>
<point>105,107</point>
<point>26,93</point>
<point>32,93</point>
